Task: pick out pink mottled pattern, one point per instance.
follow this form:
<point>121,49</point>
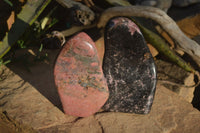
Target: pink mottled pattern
<point>79,78</point>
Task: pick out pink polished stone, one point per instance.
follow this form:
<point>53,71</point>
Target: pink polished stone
<point>79,78</point>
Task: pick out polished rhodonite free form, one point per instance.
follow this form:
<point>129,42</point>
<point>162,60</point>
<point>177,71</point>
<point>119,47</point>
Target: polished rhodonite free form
<point>79,78</point>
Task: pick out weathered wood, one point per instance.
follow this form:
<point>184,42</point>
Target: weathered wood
<point>80,12</point>
<point>9,125</point>
<point>184,43</point>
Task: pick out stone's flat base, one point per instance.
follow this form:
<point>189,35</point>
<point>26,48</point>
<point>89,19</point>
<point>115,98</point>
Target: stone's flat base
<point>128,67</point>
<point>79,78</point>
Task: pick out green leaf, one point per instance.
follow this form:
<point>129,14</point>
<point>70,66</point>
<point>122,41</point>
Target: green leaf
<point>41,47</point>
<point>30,12</point>
<point>8,2</point>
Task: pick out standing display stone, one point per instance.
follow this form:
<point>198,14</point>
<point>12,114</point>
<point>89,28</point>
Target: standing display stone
<point>79,77</point>
<point>128,67</point>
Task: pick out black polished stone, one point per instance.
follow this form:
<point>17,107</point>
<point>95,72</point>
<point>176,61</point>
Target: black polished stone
<point>128,67</point>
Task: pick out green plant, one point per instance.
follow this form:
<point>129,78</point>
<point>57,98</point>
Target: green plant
<point>8,2</point>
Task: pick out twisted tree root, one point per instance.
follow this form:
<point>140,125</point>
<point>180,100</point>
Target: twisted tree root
<point>184,43</point>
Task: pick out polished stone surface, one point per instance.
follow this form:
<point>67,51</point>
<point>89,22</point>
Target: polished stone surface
<point>128,67</point>
<point>79,77</point>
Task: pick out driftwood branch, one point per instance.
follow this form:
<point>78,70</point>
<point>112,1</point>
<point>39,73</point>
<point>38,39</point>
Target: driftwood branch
<point>184,43</point>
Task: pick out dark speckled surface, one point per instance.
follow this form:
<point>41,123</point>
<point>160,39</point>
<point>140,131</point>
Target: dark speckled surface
<point>128,67</point>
